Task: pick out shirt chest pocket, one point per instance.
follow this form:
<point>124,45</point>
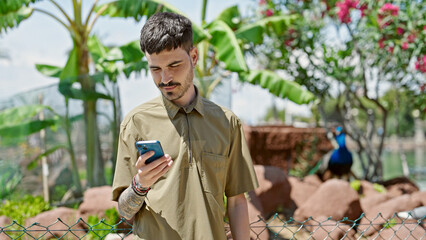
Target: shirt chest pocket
<point>213,173</point>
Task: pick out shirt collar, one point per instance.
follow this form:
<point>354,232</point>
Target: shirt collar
<point>173,109</point>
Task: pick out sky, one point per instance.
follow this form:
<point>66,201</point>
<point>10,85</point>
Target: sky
<point>41,40</point>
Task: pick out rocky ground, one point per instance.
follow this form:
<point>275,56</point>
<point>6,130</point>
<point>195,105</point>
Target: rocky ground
<point>336,206</point>
<point>330,209</point>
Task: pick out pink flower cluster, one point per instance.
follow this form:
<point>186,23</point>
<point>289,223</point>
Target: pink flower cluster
<point>346,6</point>
<point>421,64</point>
<point>387,11</point>
<point>268,12</point>
<point>389,8</point>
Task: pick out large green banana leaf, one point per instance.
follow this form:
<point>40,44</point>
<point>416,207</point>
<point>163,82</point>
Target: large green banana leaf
<point>231,16</point>
<point>226,46</point>
<point>13,18</point>
<point>105,58</point>
<point>132,58</point>
<point>19,121</point>
<point>49,70</point>
<point>140,8</point>
<point>278,86</point>
<point>68,76</point>
<point>254,32</point>
<point>8,6</point>
<point>66,86</point>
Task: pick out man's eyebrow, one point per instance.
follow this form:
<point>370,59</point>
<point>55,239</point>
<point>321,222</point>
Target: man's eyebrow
<point>174,62</point>
<point>168,65</point>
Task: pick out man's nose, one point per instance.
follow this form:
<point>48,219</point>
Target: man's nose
<point>166,77</point>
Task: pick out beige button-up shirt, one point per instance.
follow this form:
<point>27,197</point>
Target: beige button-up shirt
<point>211,159</point>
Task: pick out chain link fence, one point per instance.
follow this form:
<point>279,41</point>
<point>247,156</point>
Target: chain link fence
<point>276,227</point>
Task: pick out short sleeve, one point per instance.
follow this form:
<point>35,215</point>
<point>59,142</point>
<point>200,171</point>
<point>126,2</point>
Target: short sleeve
<point>126,159</point>
<point>241,176</point>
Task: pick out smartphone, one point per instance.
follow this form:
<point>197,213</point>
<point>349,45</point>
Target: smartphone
<point>152,145</point>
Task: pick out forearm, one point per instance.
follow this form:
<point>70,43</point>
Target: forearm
<point>129,203</point>
<point>238,217</point>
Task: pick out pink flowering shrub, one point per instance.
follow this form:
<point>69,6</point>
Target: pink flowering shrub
<point>389,8</point>
<point>386,12</point>
<point>421,64</point>
<point>344,10</point>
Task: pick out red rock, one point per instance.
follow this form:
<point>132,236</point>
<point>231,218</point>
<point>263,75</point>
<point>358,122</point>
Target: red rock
<point>274,189</point>
<point>400,186</point>
<point>370,202</point>
<point>95,202</point>
<point>313,179</point>
<point>335,198</point>
<point>409,230</point>
<point>4,223</point>
<point>419,197</point>
<point>386,210</point>
<point>367,189</point>
<point>54,224</point>
<point>300,190</point>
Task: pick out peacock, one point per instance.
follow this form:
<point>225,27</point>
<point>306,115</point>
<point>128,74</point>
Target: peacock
<point>340,162</point>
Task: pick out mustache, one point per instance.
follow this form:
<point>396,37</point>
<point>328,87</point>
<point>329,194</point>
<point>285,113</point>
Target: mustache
<point>169,84</point>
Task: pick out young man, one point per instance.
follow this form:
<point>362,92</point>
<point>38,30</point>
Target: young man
<point>181,195</point>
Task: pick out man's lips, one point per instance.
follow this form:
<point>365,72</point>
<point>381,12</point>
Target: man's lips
<point>169,88</point>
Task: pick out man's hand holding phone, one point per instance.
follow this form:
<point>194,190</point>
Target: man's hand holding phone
<point>149,173</point>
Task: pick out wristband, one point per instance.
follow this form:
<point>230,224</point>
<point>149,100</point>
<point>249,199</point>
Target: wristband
<point>138,190</point>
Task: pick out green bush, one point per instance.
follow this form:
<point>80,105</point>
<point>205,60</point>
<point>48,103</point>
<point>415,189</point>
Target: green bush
<point>21,209</point>
<point>101,228</point>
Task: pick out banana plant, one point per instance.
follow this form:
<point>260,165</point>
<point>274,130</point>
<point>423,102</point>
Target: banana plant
<point>223,53</point>
<point>76,71</point>
<point>109,64</point>
<point>20,122</point>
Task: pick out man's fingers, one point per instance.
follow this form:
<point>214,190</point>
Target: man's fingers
<point>150,173</point>
<point>157,172</point>
<point>155,163</point>
<point>142,158</point>
<point>166,168</point>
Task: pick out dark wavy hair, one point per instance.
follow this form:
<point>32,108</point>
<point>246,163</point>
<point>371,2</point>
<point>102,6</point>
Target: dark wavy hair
<point>166,31</point>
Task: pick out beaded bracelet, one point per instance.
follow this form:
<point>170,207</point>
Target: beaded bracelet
<point>138,191</point>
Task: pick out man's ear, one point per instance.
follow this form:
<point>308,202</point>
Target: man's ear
<point>193,54</point>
